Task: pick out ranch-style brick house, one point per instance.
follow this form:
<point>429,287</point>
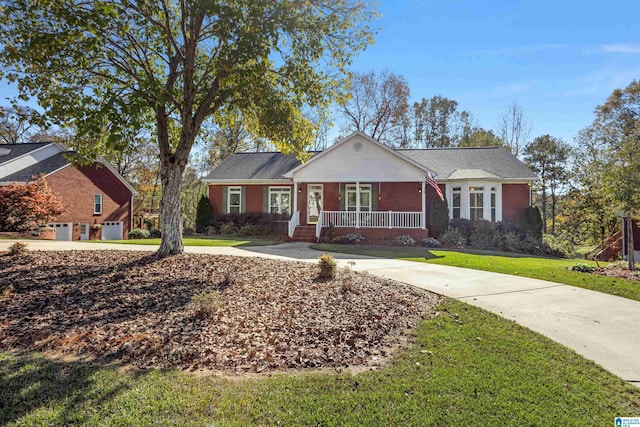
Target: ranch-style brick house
<point>360,185</point>
<point>97,199</point>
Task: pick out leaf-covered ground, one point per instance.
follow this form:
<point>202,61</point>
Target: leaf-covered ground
<point>201,311</point>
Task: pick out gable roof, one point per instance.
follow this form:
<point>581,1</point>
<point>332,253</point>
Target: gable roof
<point>9,152</point>
<point>470,163</point>
<point>349,138</point>
<point>46,166</point>
<point>254,166</point>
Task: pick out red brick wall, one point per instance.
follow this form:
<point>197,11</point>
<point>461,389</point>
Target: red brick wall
<point>515,199</point>
<point>215,197</point>
<point>400,196</point>
<point>253,197</point>
<point>77,187</point>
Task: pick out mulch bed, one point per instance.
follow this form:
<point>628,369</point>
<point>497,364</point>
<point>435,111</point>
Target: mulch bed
<point>201,311</point>
<point>623,273</point>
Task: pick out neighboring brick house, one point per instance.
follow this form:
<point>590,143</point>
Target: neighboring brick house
<point>360,184</point>
<point>98,200</point>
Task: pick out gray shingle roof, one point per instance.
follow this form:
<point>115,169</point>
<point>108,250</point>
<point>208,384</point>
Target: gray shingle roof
<point>445,162</point>
<point>17,150</point>
<point>264,166</point>
<point>495,160</point>
<point>45,166</point>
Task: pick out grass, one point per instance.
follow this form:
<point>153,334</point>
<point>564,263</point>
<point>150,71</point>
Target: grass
<point>199,241</point>
<point>551,269</point>
<point>467,367</point>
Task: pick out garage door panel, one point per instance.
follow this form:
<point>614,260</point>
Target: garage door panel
<point>112,230</point>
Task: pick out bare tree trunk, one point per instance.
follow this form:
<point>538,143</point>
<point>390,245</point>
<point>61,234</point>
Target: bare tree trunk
<point>544,207</point>
<point>170,211</point>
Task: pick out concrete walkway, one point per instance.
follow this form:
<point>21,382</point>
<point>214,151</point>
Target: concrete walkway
<point>601,327</point>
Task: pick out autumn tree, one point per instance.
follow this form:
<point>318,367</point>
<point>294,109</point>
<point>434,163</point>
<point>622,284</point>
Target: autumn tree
<point>438,123</point>
<point>479,137</point>
<point>106,65</point>
<point>548,157</point>
<point>377,105</point>
<point>25,207</point>
<point>514,128</point>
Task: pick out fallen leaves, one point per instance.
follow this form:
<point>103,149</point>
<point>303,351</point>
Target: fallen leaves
<point>152,312</point>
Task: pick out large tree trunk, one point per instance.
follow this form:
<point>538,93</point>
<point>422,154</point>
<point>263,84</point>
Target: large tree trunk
<point>170,212</point>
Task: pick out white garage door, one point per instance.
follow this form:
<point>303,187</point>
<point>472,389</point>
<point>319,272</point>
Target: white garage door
<point>64,230</point>
<point>112,230</point>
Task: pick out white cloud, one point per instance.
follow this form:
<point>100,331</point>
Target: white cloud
<point>622,48</point>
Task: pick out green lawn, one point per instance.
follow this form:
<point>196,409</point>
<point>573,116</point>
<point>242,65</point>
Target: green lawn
<point>199,241</point>
<point>468,367</point>
<point>552,269</point>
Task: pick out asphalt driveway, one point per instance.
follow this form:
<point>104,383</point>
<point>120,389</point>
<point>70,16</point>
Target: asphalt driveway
<point>601,327</point>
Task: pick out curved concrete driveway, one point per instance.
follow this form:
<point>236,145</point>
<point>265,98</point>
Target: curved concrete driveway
<point>601,327</point>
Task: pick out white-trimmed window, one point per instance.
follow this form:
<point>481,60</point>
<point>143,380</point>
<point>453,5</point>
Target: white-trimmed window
<point>365,197</point>
<point>280,200</point>
<point>97,204</point>
<point>234,200</point>
<point>476,203</point>
<point>493,204</point>
<point>456,199</point>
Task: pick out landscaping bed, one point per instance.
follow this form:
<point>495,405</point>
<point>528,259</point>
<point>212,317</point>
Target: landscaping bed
<point>201,311</point>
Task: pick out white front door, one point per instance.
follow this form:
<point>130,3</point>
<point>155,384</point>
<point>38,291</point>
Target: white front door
<point>314,202</point>
<point>84,231</point>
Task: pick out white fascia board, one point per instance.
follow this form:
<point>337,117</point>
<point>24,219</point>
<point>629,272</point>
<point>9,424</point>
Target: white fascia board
<point>366,137</point>
<point>248,181</point>
<point>58,170</point>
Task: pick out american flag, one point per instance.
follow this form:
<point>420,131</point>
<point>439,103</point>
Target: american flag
<point>432,182</point>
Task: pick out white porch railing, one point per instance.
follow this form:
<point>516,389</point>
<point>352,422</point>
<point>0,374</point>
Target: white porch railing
<point>388,219</point>
<point>294,222</point>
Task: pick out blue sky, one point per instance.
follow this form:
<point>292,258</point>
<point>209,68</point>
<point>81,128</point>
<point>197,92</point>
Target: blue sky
<point>557,59</point>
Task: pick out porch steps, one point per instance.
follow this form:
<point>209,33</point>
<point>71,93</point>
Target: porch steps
<point>305,233</point>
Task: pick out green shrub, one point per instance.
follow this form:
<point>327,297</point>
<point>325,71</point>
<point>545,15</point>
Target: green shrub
<point>430,242</point>
<point>453,238</point>
<point>18,248</point>
<point>228,229</point>
<point>210,230</point>
<point>484,235</point>
<point>557,246</point>
<point>327,266</point>
<point>511,242</point>
<point>252,230</point>
<point>583,268</point>
<point>155,233</point>
<point>532,222</point>
<point>352,238</point>
<point>204,214</point>
<point>404,240</point>
<point>438,216</point>
<point>138,233</point>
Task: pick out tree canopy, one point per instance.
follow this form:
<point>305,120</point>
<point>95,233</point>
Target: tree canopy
<point>113,67</point>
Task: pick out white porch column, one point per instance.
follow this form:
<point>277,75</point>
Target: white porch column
<point>357,204</point>
<point>295,198</point>
<point>423,217</point>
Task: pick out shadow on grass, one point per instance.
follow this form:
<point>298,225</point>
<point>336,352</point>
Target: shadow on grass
<point>28,383</point>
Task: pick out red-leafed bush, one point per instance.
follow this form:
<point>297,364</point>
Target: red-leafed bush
<point>25,207</point>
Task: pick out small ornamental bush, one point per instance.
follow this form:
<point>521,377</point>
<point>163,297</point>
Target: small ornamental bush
<point>228,228</point>
<point>210,230</point>
<point>206,304</point>
<point>18,248</point>
<point>583,268</point>
<point>252,230</point>
<point>404,240</point>
<point>483,236</point>
<point>352,238</point>
<point>138,233</point>
<point>155,233</point>
<point>453,238</point>
<point>511,242</point>
<point>430,242</point>
<point>25,207</point>
<point>327,266</point>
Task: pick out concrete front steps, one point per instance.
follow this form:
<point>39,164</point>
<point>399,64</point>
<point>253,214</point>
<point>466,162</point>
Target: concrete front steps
<point>305,233</point>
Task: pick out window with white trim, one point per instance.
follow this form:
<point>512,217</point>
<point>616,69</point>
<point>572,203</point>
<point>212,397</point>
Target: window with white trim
<point>476,203</point>
<point>493,204</point>
<point>456,200</point>
<point>365,197</point>
<point>234,200</point>
<point>97,204</point>
<point>280,200</point>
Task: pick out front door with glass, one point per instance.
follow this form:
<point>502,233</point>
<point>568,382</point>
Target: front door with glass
<point>314,203</point>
